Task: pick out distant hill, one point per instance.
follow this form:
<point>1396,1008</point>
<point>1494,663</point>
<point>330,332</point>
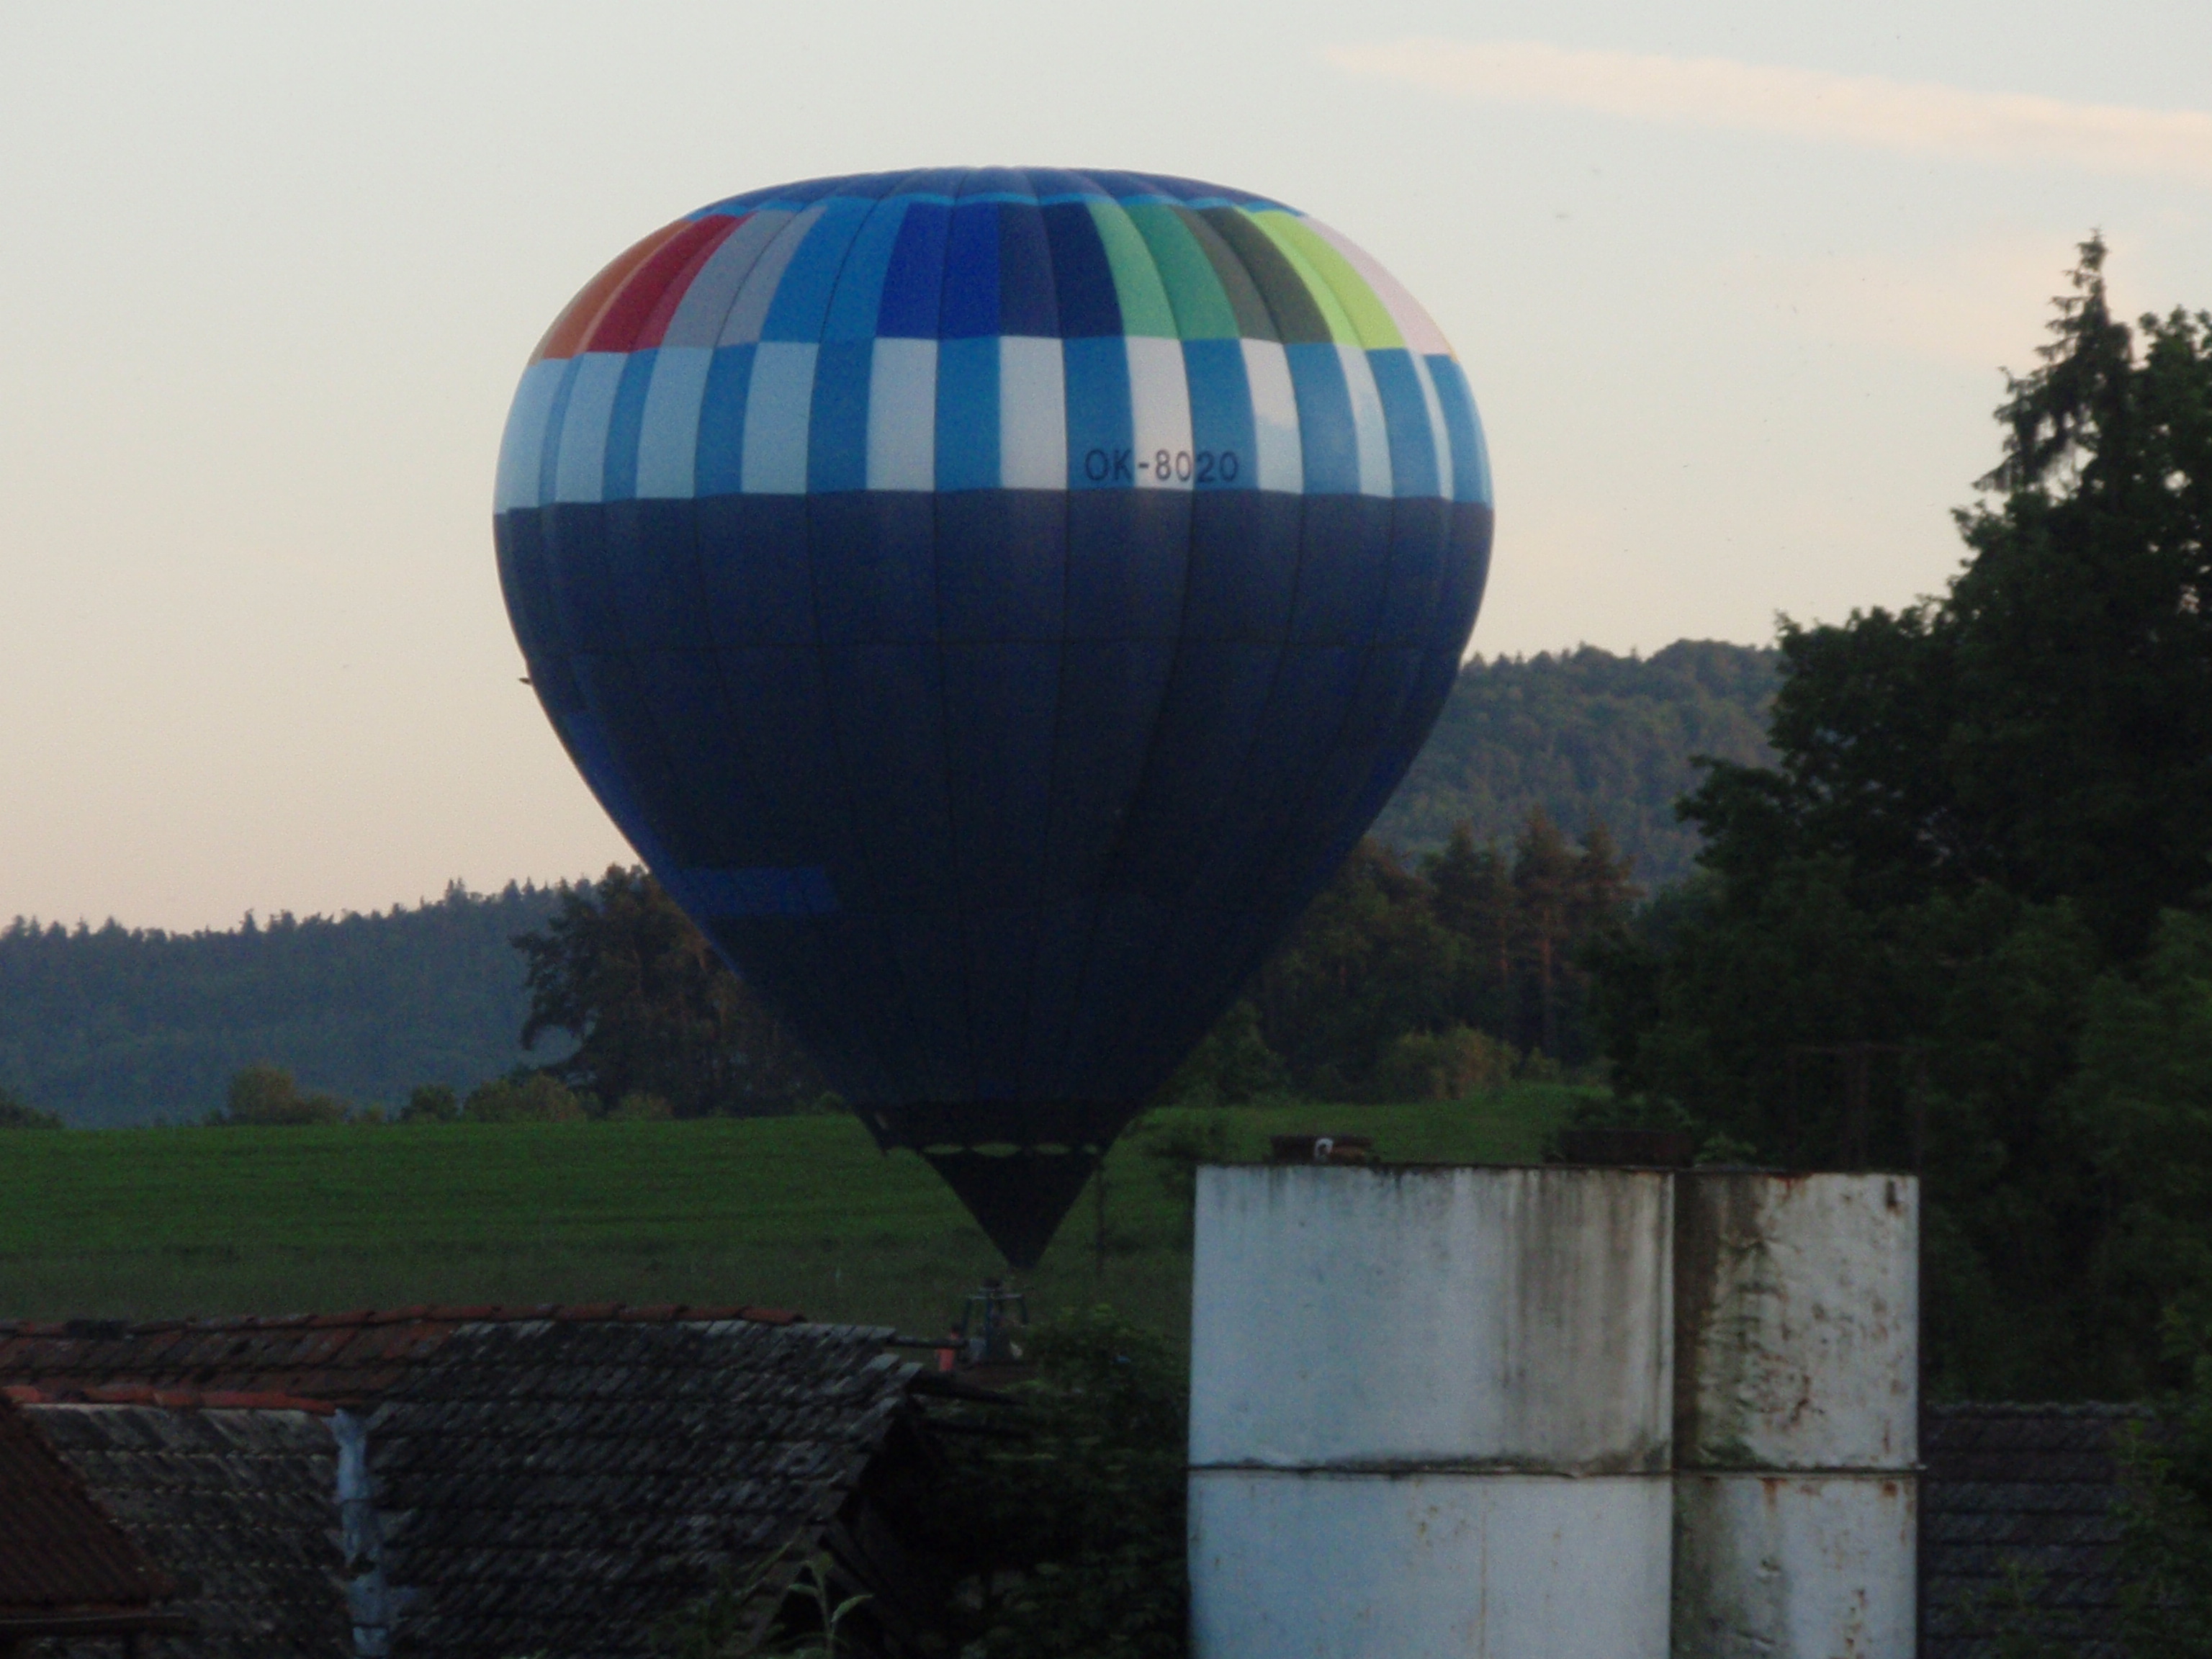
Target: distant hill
<point>1588,737</point>
<point>116,1025</point>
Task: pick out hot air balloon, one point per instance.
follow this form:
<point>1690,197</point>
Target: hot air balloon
<point>992,602</point>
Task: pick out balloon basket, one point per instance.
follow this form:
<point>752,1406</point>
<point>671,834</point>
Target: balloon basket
<point>988,1344</point>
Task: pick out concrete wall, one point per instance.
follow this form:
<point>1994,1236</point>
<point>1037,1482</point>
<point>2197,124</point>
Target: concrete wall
<point>1797,1414</point>
<point>1431,1413</point>
<point>1553,1412</point>
<point>1294,1563</point>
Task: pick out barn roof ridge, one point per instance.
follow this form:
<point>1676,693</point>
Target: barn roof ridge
<point>350,1359</point>
<point>418,1313</point>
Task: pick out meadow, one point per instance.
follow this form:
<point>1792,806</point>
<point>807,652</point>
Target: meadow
<point>796,1212</point>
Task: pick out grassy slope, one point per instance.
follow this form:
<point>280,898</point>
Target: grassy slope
<point>793,1211</point>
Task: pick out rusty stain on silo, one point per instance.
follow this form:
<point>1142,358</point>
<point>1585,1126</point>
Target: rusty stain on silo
<point>1796,1414</point>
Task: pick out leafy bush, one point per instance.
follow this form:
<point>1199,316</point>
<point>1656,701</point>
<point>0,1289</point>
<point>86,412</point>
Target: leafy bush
<point>16,1113</point>
<point>1079,1515</point>
<point>1069,1512</point>
<point>523,1098</point>
<point>2023,1626</point>
<point>1231,1065</point>
<point>265,1095</point>
<point>431,1102</point>
<point>1175,1145</point>
<point>2165,1545</point>
<point>747,1615</point>
<point>1447,1065</point>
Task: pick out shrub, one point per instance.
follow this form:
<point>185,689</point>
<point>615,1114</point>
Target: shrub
<point>1542,1068</point>
<point>525,1096</point>
<point>16,1113</point>
<point>1176,1146</point>
<point>1231,1065</point>
<point>1083,1504</point>
<point>748,1616</point>
<point>2165,1544</point>
<point>432,1102</point>
<point>265,1095</point>
<point>640,1107</point>
<point>1447,1065</point>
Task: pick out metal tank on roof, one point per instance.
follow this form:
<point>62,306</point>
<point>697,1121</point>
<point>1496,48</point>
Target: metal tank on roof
<point>1431,1413</point>
<point>1796,1426</point>
<point>993,601</point>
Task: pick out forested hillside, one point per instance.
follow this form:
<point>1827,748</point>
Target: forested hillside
<point>119,1025</point>
<point>114,1025</point>
<point>1590,738</point>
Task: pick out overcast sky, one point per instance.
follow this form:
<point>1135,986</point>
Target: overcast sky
<point>1734,289</point>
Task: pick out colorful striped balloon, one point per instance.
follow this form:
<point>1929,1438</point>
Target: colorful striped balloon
<point>993,601</point>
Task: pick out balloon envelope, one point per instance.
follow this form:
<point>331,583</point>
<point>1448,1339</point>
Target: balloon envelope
<point>992,602</point>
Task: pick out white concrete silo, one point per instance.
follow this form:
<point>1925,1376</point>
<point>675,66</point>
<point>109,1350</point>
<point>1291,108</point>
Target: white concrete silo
<point>1431,1413</point>
<point>1797,1301</point>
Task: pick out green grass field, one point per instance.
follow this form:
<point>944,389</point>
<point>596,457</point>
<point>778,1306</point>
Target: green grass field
<point>797,1212</point>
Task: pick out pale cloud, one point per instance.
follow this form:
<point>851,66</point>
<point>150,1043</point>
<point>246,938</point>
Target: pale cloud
<point>1866,111</point>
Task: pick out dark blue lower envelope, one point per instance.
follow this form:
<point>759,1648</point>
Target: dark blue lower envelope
<point>999,799</point>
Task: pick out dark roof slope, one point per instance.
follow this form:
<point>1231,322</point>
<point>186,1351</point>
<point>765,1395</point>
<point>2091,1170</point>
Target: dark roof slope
<point>347,1358</point>
<point>562,1486</point>
<point>550,1479</point>
<point>240,1504</point>
<point>2029,1487</point>
<point>59,1553</point>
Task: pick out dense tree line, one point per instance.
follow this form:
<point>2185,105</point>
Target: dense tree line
<point>1411,975</point>
<point>1964,917</point>
<point>1429,978</point>
<point>1585,737</point>
<point>111,1025</point>
<point>266,1097</point>
<point>1404,980</point>
<point>1409,978</point>
<point>114,1025</point>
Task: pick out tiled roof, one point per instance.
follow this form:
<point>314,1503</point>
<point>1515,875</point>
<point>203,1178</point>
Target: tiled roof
<point>345,1359</point>
<point>554,1479</point>
<point>2025,1486</point>
<point>564,1486</point>
<point>240,1504</point>
<point>59,1553</point>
